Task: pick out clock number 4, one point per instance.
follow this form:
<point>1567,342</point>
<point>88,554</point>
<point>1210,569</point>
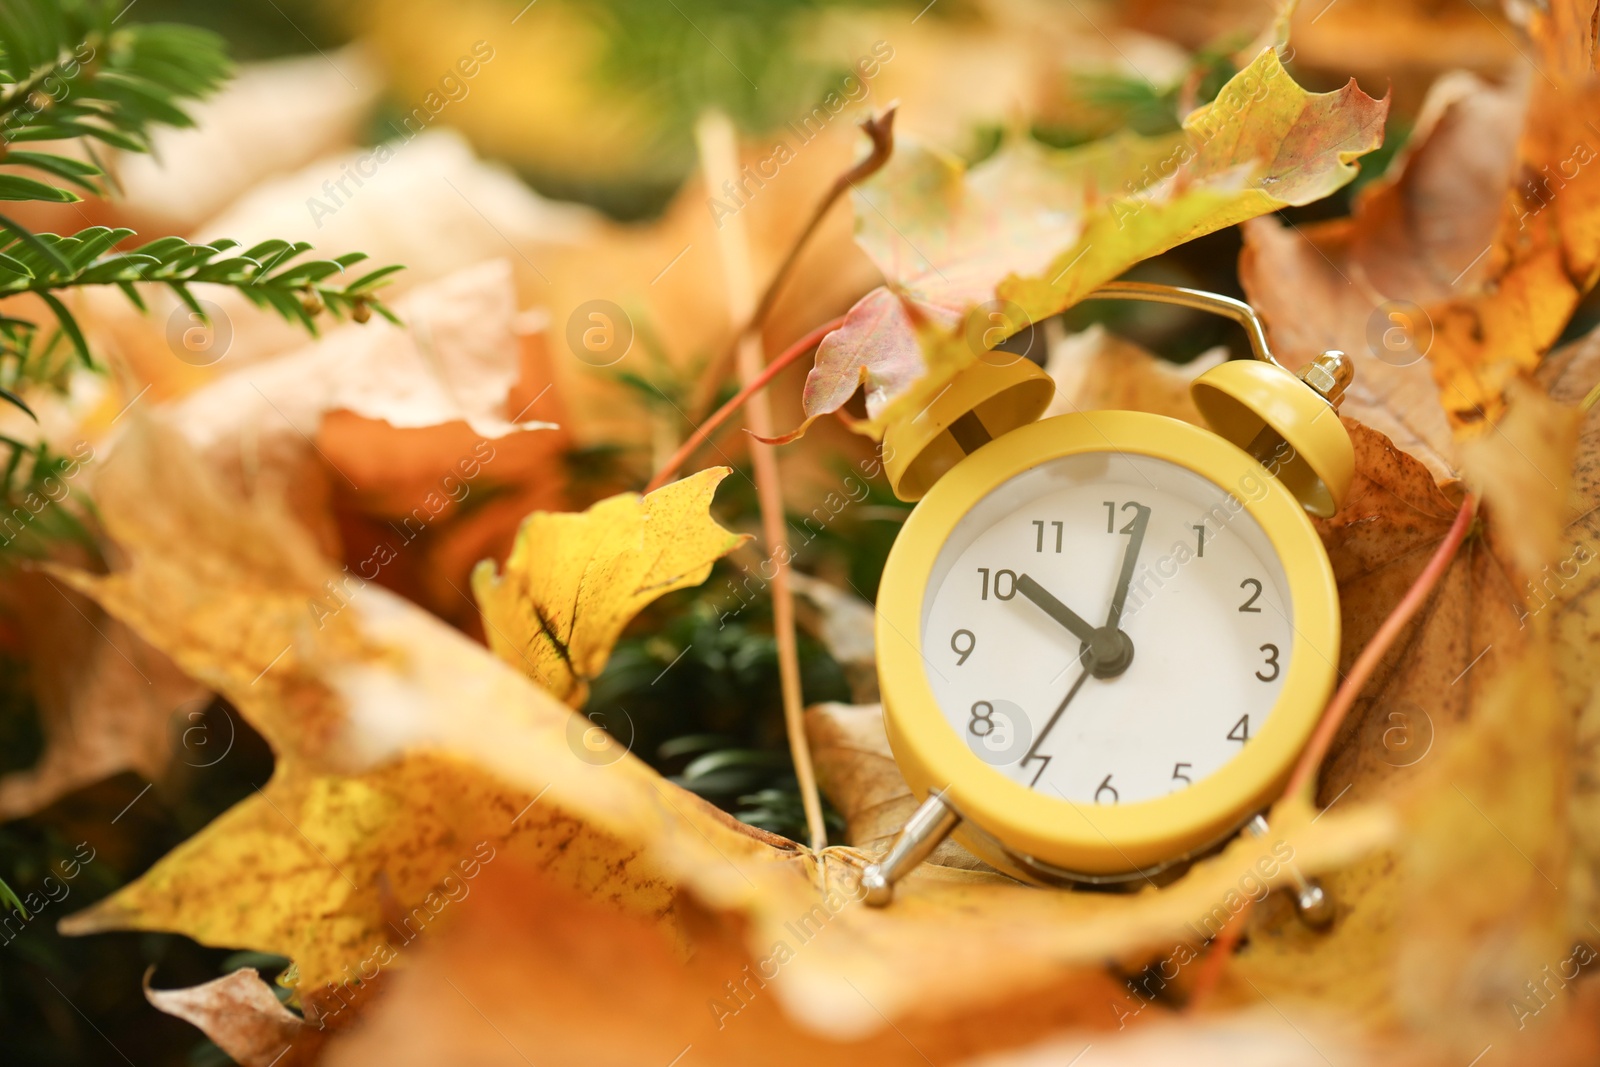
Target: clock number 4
<point>1038,540</point>
<point>1005,584</point>
<point>1239,733</point>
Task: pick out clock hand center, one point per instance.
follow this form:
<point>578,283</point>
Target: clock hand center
<point>1106,651</point>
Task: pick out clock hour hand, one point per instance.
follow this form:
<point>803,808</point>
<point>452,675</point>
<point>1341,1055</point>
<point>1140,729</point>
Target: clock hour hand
<point>1054,608</point>
<point>1130,557</point>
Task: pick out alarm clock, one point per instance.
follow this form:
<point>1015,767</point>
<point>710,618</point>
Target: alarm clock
<point>1105,637</point>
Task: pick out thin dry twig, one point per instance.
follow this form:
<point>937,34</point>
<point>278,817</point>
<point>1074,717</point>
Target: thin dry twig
<point>880,128</point>
<point>719,159</point>
<point>704,431</point>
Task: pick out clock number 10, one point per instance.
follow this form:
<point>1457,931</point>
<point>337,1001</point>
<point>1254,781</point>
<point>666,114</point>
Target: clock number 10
<point>1005,584</point>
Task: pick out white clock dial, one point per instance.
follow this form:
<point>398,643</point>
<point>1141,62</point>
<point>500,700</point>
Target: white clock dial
<point>1049,680</point>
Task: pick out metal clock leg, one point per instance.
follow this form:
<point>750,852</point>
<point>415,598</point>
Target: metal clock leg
<point>929,825</point>
<point>1311,901</point>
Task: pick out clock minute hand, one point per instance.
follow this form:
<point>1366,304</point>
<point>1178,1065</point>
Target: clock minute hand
<point>1130,557</point>
<point>1054,608</point>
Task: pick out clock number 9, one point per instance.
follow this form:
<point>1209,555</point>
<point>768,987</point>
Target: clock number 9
<point>955,645</point>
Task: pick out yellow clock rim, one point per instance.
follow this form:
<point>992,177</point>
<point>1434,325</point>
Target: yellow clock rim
<point>1102,839</point>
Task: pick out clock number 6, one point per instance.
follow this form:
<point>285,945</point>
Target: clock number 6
<point>955,645</point>
<point>1106,787</point>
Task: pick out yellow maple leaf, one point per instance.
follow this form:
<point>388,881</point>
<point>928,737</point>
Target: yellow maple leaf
<point>574,581</point>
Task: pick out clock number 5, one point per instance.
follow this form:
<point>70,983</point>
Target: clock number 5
<point>1179,776</point>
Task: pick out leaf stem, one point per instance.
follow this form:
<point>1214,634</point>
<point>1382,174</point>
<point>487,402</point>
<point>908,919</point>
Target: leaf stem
<point>703,432</point>
<point>880,128</point>
<point>1303,780</point>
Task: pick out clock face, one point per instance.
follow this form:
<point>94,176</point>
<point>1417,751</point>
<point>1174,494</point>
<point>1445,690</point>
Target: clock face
<point>1108,627</point>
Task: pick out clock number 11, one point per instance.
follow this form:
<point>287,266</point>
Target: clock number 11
<point>1038,541</point>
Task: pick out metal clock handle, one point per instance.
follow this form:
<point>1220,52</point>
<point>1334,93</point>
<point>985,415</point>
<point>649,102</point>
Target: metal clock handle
<point>1329,374</point>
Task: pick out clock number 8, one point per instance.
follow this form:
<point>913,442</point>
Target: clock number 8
<point>983,717</point>
<point>955,645</point>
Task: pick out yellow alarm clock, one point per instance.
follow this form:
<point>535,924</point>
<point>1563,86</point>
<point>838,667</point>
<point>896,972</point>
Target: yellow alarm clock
<point>1105,637</point>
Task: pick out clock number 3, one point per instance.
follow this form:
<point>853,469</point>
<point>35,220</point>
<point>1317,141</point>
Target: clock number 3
<point>1272,662</point>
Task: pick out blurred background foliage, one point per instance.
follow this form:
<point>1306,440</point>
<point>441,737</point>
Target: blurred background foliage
<point>595,103</point>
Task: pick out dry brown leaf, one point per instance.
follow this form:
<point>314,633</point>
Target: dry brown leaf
<point>1416,234</point>
<point>856,769</point>
<point>1483,303</point>
<point>429,204</point>
<point>241,1015</point>
<point>1096,370</point>
<point>273,117</point>
<point>1564,594</point>
<point>598,989</point>
<point>107,701</point>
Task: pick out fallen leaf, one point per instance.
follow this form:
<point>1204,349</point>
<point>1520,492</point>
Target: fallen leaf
<point>574,582</point>
<point>857,772</point>
<point>844,624</point>
<point>1563,594</point>
<point>599,988</point>
<point>1362,285</point>
<point>1031,231</point>
<point>446,198</point>
<point>274,117</point>
<point>241,1015</point>
<point>370,794</point>
<point>1482,279</point>
<point>1096,370</point>
<point>107,701</point>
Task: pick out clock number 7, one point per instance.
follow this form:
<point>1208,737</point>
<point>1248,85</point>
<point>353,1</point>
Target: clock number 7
<point>1038,541</point>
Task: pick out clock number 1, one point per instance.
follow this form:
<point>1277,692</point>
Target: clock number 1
<point>1038,541</point>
